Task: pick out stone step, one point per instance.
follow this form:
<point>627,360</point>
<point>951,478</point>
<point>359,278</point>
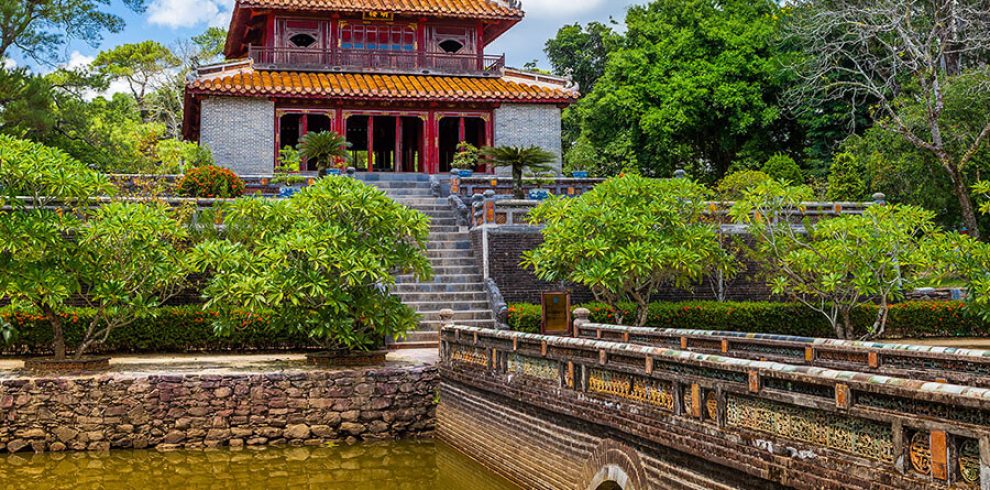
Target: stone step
<point>455,270</point>
<point>449,253</point>
<point>423,201</point>
<point>449,236</point>
<point>449,229</point>
<point>410,193</point>
<point>441,279</point>
<point>442,296</point>
<point>375,177</point>
<point>448,245</point>
<point>459,315</point>
<point>442,221</point>
<point>435,324</point>
<point>437,305</point>
<point>418,336</point>
<point>464,287</point>
<point>439,208</point>
<point>414,345</point>
<point>399,184</point>
<point>452,262</point>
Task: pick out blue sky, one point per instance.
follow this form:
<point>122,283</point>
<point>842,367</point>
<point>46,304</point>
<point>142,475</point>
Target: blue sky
<point>167,21</point>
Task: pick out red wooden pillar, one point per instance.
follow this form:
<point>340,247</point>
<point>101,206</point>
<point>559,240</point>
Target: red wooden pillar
<point>481,45</point>
<point>460,129</point>
<point>371,143</point>
<point>490,139</point>
<point>339,124</point>
<point>421,41</point>
<point>398,144</point>
<point>332,39</point>
<point>433,144</point>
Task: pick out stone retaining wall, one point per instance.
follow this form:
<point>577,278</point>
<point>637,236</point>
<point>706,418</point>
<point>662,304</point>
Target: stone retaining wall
<point>137,410</point>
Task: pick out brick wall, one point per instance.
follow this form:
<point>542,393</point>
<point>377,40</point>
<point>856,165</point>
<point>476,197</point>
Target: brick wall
<point>506,245</point>
<point>528,125</point>
<point>241,133</point>
<point>177,410</point>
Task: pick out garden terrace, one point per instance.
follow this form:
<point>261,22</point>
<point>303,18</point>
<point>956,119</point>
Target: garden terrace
<point>959,366</point>
<point>662,417</point>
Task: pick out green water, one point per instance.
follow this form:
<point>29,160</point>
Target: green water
<point>413,465</point>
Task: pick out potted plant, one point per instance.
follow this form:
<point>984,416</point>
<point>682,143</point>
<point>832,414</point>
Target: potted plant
<point>466,159</point>
<point>327,148</point>
<point>520,159</point>
<point>539,193</point>
<point>579,174</point>
<point>289,164</point>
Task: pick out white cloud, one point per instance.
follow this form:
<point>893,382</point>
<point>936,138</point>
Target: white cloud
<point>190,13</point>
<point>8,63</point>
<point>557,8</point>
<point>79,60</point>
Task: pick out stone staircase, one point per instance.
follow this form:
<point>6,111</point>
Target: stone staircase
<point>457,281</point>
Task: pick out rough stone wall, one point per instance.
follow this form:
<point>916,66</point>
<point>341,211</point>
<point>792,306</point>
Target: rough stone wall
<point>135,410</point>
<point>529,125</point>
<point>518,284</point>
<point>240,132</point>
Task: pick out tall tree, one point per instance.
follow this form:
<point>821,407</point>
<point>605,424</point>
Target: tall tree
<point>40,28</point>
<point>696,83</point>
<point>581,52</point>
<point>143,66</point>
<point>883,50</point>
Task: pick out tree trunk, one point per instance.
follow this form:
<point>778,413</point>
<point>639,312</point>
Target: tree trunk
<point>58,340</point>
<point>517,182</point>
<point>965,204</point>
<point>847,327</point>
<point>642,314</point>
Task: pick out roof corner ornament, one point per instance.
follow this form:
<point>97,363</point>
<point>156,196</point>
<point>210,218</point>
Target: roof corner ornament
<point>569,76</point>
<point>512,4</point>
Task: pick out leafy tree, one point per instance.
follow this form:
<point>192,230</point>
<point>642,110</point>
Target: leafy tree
<point>321,262</point>
<point>176,156</point>
<point>838,264</point>
<point>695,81</point>
<point>784,169</point>
<point>846,179</point>
<point>581,52</point>
<point>735,185</point>
<point>920,64</point>
<point>520,160</point>
<point>627,238</point>
<point>25,103</point>
<point>41,28</point>
<point>142,65</point>
<point>209,45</point>
<point>122,259</point>
<point>326,148</point>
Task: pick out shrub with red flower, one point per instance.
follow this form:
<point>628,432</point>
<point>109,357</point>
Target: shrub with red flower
<point>211,182</point>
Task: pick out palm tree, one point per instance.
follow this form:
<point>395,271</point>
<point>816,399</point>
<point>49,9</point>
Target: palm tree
<point>531,158</point>
<point>326,147</point>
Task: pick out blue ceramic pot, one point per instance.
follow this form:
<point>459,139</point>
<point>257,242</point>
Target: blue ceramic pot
<point>465,173</point>
<point>539,194</point>
<point>579,174</point>
<point>334,171</point>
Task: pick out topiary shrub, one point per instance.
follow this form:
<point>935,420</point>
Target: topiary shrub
<point>732,186</point>
<point>212,182</point>
<point>784,169</point>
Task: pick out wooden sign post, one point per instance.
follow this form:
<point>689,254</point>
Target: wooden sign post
<point>556,314</point>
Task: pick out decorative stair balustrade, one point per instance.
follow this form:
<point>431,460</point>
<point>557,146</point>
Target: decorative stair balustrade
<point>796,425</point>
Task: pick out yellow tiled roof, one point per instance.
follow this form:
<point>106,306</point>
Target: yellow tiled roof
<point>354,85</point>
<point>490,9</point>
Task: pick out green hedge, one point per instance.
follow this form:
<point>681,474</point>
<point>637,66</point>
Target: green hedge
<point>173,330</point>
<point>910,319</point>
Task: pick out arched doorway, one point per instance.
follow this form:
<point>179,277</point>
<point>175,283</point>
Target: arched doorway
<point>609,485</point>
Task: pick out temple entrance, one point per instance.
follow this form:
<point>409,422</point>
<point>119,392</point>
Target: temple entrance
<point>453,130</point>
<point>386,143</point>
<point>293,126</point>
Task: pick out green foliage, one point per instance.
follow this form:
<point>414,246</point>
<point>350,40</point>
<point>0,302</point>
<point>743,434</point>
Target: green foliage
<point>734,185</point>
<point>582,52</point>
<point>320,263</point>
<point>846,180</point>
<point>520,159</point>
<point>289,160</point>
<point>172,329</point>
<point>784,169</point>
<point>211,182</point>
<point>175,156</point>
<point>627,238</point>
<point>466,157</point>
<point>912,319</point>
<point>125,257</point>
<point>328,148</point>
<point>840,263</point>
<point>694,81</point>
<point>40,29</point>
<point>141,65</point>
<point>210,44</point>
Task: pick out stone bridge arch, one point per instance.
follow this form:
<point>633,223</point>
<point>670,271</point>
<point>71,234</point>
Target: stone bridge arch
<point>614,466</point>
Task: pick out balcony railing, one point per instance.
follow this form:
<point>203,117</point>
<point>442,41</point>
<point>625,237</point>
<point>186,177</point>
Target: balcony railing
<point>354,60</point>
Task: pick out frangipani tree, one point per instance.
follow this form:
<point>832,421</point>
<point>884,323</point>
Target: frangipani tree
<point>627,238</point>
<point>123,260</point>
<point>839,263</point>
<point>321,262</point>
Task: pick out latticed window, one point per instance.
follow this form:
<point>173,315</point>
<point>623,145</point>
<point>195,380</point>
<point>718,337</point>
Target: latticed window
<point>381,37</point>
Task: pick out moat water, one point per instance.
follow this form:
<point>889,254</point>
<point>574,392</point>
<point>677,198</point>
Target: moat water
<point>406,465</point>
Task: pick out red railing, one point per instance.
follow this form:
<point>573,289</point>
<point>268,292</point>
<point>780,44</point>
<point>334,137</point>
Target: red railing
<point>353,60</point>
